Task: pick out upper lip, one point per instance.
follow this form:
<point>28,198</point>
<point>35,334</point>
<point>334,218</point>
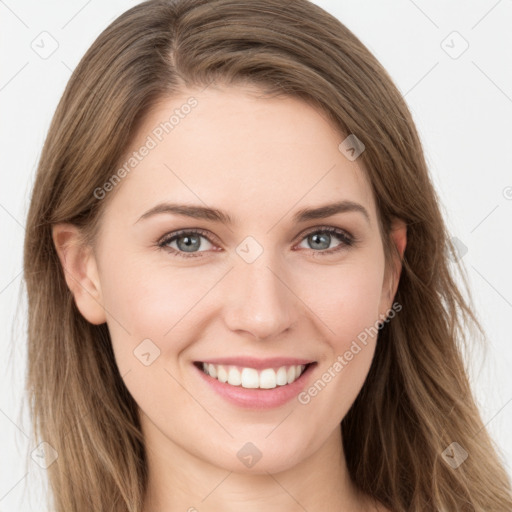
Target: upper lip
<point>258,364</point>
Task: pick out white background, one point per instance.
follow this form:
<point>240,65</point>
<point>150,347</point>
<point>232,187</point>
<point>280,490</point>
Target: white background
<point>463,110</point>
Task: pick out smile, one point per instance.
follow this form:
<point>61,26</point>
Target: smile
<point>251,378</point>
<point>256,383</point>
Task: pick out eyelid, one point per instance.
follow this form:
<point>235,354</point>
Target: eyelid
<point>185,231</point>
<point>327,228</point>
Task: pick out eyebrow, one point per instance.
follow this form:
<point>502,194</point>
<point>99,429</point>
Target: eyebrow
<point>216,215</point>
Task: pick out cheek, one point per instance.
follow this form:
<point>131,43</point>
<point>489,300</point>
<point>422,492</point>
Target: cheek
<point>346,299</point>
<point>155,302</point>
<point>347,302</point>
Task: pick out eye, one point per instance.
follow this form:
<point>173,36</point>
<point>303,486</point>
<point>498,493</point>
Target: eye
<point>187,242</point>
<point>321,238</point>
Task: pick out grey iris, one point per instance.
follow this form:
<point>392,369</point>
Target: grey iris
<point>192,242</point>
<point>324,238</point>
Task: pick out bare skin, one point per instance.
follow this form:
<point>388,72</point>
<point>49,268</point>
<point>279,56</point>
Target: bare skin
<point>260,160</point>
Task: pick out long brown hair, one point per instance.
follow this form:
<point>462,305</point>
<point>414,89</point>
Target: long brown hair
<point>416,400</point>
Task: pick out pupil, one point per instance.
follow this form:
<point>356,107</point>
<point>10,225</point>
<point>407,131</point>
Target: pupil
<point>318,239</point>
<point>191,243</point>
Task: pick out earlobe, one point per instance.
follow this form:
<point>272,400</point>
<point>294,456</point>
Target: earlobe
<point>80,270</point>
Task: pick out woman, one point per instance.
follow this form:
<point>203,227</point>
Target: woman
<point>239,293</point>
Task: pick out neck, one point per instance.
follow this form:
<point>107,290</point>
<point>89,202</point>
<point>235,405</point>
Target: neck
<point>179,480</point>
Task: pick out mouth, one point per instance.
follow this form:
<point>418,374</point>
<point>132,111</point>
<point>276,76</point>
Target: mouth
<point>252,378</point>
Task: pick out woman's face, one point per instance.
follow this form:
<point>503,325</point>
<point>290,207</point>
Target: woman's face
<point>283,283</point>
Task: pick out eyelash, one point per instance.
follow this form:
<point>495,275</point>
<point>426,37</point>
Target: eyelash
<point>347,241</point>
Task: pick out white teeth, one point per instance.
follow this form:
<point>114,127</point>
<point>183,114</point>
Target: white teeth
<point>234,377</point>
<point>251,378</point>
<point>268,379</point>
<point>281,376</point>
<point>212,370</point>
<point>291,374</point>
<point>222,374</point>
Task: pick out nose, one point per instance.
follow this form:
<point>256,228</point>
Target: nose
<point>260,300</point>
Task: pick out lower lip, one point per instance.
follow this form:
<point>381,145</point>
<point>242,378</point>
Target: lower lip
<point>258,398</point>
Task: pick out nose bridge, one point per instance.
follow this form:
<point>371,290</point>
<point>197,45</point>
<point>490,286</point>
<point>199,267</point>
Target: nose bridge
<point>258,299</point>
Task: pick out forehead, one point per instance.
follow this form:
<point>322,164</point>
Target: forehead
<point>233,148</point>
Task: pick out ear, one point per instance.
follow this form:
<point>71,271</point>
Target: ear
<point>80,270</point>
<point>399,239</point>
